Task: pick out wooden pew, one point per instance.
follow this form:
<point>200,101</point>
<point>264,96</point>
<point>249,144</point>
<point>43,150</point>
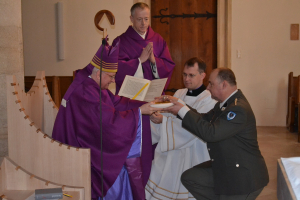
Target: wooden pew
<point>57,85</point>
<point>298,106</point>
<point>293,101</point>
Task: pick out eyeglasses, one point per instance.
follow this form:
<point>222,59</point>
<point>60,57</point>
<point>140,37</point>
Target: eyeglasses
<point>189,75</point>
<point>111,77</point>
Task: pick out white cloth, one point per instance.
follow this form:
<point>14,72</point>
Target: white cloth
<point>292,168</point>
<point>177,150</point>
<point>139,72</point>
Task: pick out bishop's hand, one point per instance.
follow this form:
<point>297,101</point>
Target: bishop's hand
<point>147,109</point>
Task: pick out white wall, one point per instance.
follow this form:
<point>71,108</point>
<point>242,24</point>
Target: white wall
<point>261,31</point>
<point>82,38</point>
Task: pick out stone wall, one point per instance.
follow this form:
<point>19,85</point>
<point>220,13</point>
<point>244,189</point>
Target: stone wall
<point>11,58</point>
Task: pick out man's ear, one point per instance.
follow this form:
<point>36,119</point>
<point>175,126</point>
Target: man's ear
<point>203,75</point>
<point>225,84</point>
<point>131,18</point>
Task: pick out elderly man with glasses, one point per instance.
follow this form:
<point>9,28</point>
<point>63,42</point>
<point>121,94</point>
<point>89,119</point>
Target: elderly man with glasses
<point>177,149</point>
<point>126,146</point>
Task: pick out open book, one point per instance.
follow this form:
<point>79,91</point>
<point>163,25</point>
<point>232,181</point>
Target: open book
<point>142,89</point>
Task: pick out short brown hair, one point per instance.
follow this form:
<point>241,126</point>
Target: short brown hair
<point>140,5</point>
<point>201,64</point>
<point>225,74</point>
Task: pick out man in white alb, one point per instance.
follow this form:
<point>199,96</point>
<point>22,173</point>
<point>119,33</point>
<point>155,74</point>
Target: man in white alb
<point>177,149</point>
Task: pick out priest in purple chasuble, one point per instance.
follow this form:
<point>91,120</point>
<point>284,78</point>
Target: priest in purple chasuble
<point>143,53</point>
<point>127,152</point>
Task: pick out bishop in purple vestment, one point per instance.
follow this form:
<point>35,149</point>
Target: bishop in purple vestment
<point>143,53</point>
<point>126,135</point>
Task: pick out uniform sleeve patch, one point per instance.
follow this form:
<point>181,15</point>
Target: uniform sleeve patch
<point>231,115</point>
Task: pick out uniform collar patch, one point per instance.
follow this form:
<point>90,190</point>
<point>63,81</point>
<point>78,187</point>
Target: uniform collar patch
<point>231,115</point>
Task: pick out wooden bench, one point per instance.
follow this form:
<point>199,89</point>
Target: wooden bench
<point>292,118</point>
<point>57,85</point>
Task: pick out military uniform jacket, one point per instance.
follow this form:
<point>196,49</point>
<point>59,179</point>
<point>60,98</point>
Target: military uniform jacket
<point>231,136</point>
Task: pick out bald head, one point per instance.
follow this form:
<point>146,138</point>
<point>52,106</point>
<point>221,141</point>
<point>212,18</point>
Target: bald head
<point>222,83</point>
<point>225,74</point>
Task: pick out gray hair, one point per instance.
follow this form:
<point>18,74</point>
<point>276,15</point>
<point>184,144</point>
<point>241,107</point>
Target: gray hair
<point>225,74</point>
<point>95,70</point>
<point>140,5</point>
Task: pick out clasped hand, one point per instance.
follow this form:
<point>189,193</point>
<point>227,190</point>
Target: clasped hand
<point>147,53</point>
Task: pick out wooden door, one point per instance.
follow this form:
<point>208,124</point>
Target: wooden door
<point>190,30</point>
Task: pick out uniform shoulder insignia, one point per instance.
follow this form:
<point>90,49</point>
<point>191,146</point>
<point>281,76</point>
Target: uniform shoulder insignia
<point>231,115</point>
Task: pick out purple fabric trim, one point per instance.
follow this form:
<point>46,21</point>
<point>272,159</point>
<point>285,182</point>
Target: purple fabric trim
<point>121,189</point>
<point>134,169</point>
<point>135,150</point>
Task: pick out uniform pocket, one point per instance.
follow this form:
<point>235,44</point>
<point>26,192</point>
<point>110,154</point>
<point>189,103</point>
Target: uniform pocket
<point>238,174</point>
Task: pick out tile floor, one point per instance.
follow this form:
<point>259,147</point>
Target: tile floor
<point>274,143</point>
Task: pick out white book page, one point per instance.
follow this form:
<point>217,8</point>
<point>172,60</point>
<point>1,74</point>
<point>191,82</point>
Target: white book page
<point>156,88</point>
<point>132,85</point>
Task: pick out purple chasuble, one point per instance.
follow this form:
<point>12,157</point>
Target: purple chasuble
<point>78,124</point>
<point>121,189</point>
<point>131,47</point>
